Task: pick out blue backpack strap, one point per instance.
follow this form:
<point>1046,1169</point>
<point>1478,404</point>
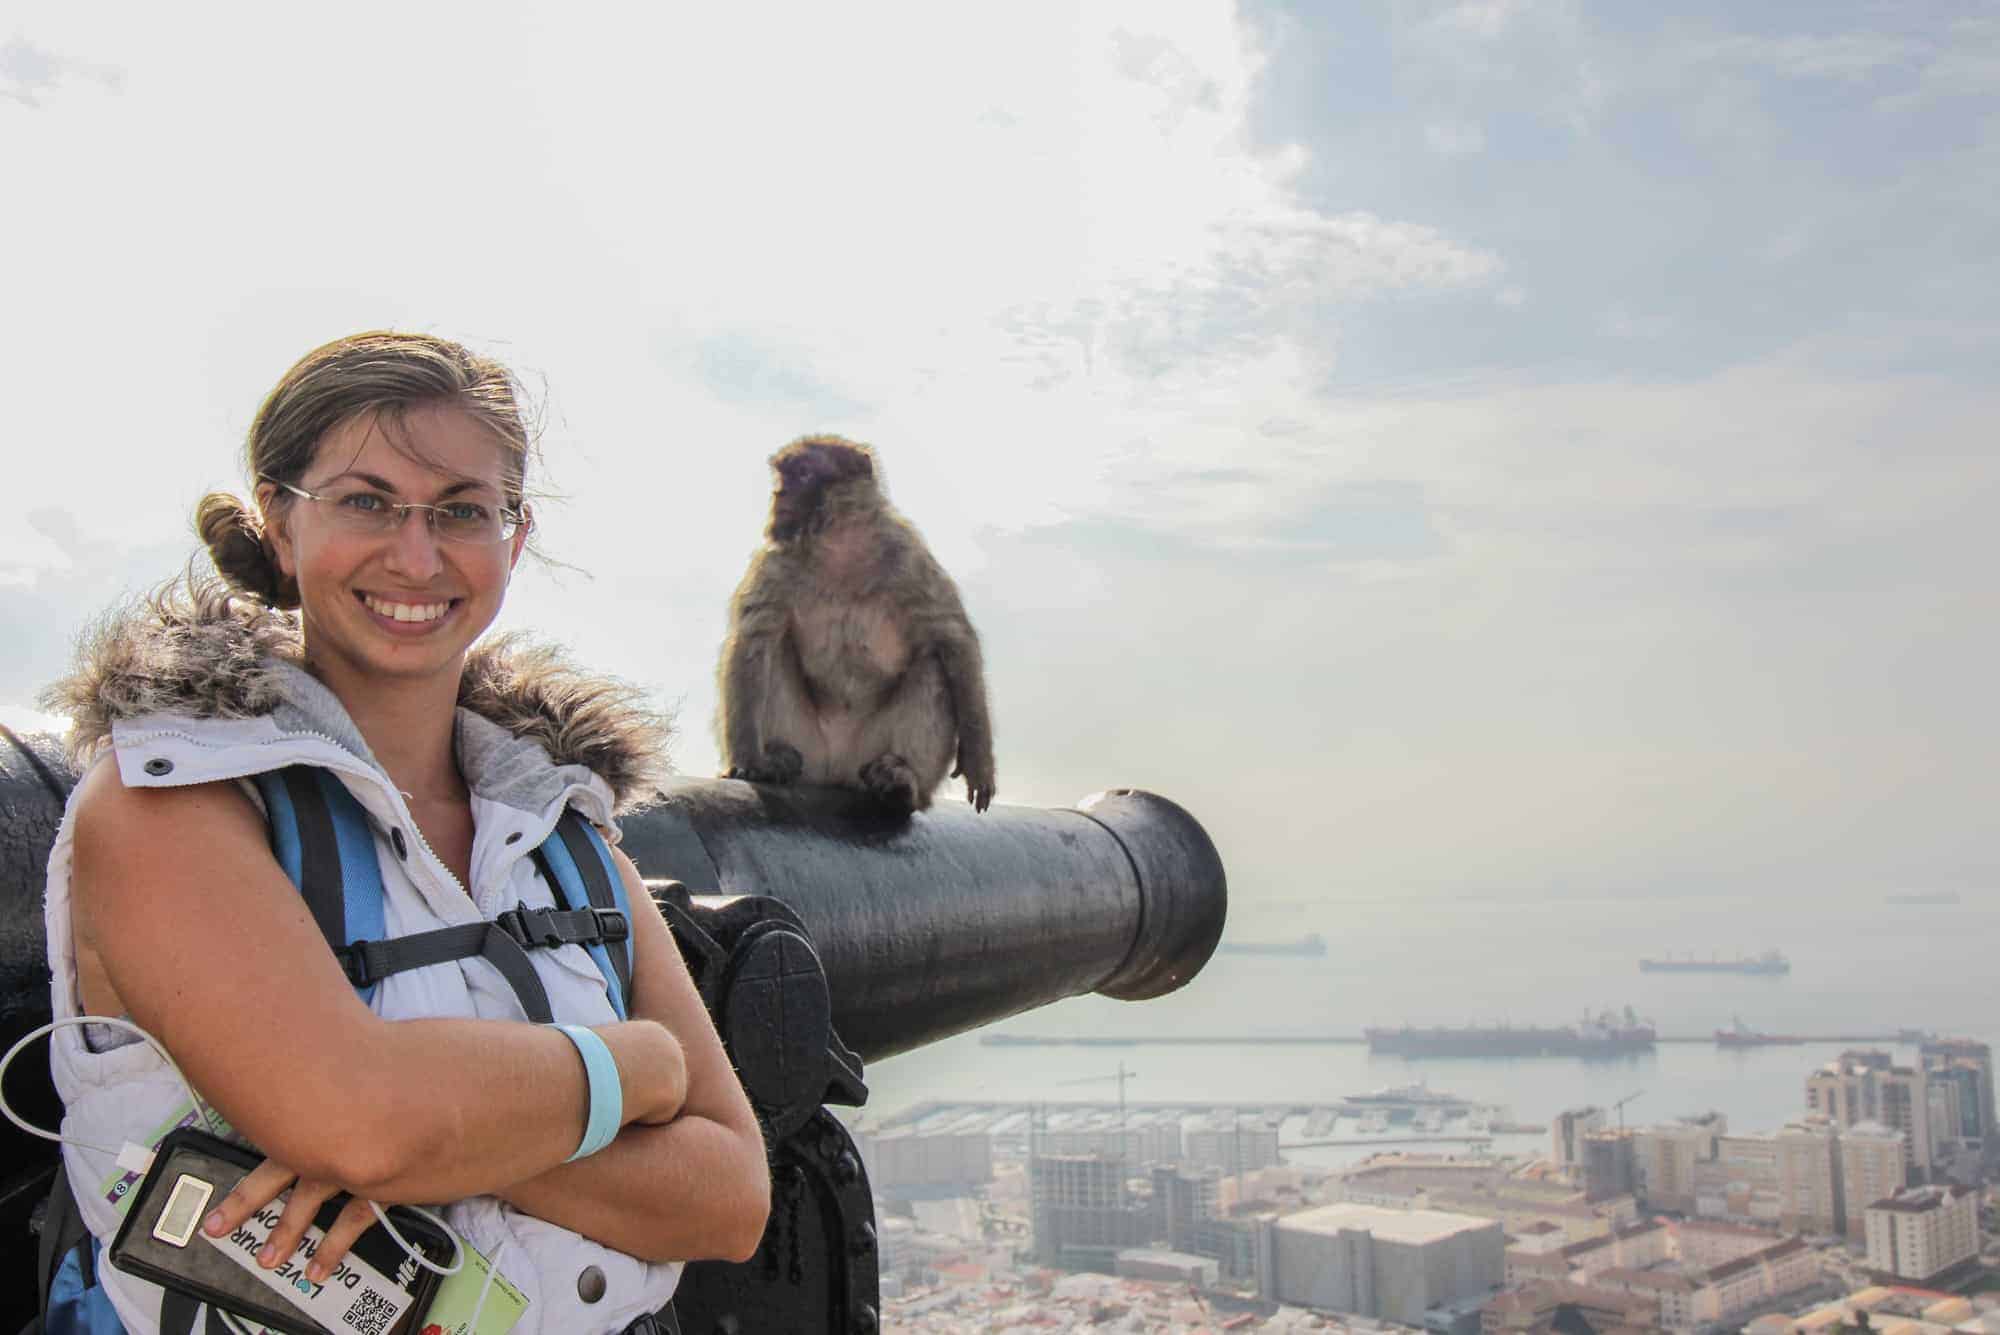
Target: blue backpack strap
<point>320,836</point>
<point>578,865</point>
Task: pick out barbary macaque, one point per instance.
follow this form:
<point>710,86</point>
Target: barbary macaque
<point>849,658</point>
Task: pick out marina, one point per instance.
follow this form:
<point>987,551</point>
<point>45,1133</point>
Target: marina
<point>1408,1115</point>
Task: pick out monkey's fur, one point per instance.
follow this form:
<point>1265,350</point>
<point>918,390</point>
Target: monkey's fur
<point>849,658</point>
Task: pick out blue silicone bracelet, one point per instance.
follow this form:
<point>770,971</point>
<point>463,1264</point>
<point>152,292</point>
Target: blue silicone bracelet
<point>607,1095</point>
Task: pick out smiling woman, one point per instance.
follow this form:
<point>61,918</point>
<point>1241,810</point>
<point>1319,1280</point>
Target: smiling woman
<point>563,1092</point>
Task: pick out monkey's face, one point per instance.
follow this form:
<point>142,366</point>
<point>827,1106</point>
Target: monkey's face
<point>795,491</point>
<point>802,472</point>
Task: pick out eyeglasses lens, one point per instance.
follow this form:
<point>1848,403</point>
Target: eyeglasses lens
<point>472,522</point>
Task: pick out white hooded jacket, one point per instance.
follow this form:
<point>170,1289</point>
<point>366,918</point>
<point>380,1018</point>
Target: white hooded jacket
<point>219,696</point>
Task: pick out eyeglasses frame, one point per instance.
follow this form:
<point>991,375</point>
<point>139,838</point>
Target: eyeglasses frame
<point>515,519</point>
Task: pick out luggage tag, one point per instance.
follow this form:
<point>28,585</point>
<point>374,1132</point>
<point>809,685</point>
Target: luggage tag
<point>376,1289</point>
<point>457,1296</point>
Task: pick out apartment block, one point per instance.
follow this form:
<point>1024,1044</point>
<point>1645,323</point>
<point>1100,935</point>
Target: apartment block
<point>1866,1086</point>
<point>1688,1274</point>
<point>1923,1231</point>
<point>1610,1164</point>
<point>1182,1202</point>
<point>1740,1182</point>
<point>1872,1168</point>
<point>1566,1135</point>
<point>1963,1069</point>
<point>1810,1199</point>
<point>1083,1211</point>
<point>1666,1156</point>
<point>1232,1148</point>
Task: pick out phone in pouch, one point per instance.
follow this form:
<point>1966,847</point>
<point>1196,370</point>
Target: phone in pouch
<point>375,1290</point>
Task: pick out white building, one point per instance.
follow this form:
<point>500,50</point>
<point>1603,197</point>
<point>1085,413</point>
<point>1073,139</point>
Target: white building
<point>1873,1167</point>
<point>1923,1231</point>
<point>1389,1264</point>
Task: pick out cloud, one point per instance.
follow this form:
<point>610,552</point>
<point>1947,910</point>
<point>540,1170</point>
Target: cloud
<point>30,74</point>
<point>1454,139</point>
<point>1287,450</point>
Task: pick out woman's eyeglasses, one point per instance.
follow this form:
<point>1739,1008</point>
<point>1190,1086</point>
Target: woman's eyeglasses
<point>363,510</point>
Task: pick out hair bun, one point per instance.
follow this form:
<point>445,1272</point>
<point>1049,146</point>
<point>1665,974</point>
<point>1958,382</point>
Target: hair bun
<point>235,541</point>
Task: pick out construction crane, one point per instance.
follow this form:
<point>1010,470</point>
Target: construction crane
<point>1121,1077</point>
<point>1619,1107</point>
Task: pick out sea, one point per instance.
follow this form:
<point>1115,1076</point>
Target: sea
<point>1860,966</point>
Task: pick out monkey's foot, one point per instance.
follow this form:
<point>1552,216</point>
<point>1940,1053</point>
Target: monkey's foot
<point>782,765</point>
<point>890,780</point>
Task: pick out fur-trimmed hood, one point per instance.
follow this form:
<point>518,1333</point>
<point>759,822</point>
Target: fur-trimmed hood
<point>195,648</point>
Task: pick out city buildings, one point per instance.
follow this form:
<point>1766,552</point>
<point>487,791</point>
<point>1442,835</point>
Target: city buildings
<point>906,1162</point>
<point>1488,1190</point>
<point>1872,1168</point>
<point>1961,1074</point>
<point>1237,1145</point>
<point>1688,1274</point>
<point>1183,1202</point>
<point>1891,1310</point>
<point>1866,1086</point>
<point>1083,1213</point>
<point>1922,1232</point>
<point>1666,1156</point>
<point>1610,1164</point>
<point>1741,1182</point>
<point>1389,1264</point>
<point>1566,1135</point>
<point>1809,1196</point>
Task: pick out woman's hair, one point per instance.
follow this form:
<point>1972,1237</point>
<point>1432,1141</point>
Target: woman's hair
<point>382,373</point>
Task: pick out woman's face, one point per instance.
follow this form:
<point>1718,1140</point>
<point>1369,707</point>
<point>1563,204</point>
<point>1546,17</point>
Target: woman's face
<point>405,602</point>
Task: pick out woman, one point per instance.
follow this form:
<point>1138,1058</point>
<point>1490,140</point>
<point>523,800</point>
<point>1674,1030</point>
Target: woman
<point>388,473</point>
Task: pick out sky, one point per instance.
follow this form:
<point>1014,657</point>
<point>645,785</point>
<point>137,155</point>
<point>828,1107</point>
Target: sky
<point>1507,448</point>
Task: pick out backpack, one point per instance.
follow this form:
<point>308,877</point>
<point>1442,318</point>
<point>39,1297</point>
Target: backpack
<point>321,839</point>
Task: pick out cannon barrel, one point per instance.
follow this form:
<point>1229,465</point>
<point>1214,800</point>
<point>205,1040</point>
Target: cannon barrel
<point>925,927</point>
<point>932,926</point>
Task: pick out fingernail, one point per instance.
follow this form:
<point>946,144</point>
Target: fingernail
<point>214,1223</point>
<point>269,1256</point>
<point>316,1273</point>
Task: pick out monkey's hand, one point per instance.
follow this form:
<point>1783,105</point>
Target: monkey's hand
<point>782,765</point>
<point>978,777</point>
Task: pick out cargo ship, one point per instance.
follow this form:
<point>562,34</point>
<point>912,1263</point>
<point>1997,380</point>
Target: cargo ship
<point>1770,962</point>
<point>1740,1035</point>
<point>1604,1035</point>
<point>1312,943</point>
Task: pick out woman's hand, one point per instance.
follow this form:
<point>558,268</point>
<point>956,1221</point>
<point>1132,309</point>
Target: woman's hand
<point>264,1184</point>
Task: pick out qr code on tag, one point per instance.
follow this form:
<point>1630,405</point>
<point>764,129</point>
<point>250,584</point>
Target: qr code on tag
<point>370,1314</point>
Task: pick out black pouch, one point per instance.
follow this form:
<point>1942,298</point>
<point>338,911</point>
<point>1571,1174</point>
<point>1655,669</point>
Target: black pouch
<point>162,1240</point>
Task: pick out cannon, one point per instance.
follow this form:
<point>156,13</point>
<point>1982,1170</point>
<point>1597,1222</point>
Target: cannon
<point>822,933</point>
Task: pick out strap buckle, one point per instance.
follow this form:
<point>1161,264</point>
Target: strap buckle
<point>534,927</point>
<point>612,925</point>
<point>358,961</point>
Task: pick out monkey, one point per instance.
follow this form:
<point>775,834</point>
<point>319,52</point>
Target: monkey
<point>849,658</point>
